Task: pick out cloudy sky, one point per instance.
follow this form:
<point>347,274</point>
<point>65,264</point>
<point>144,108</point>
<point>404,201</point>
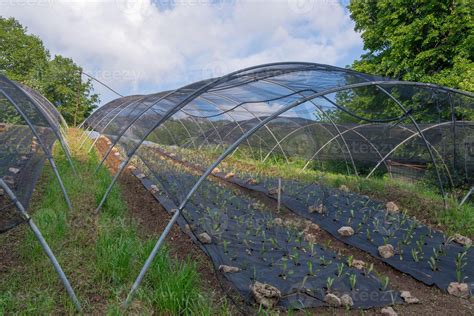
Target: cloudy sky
<point>143,46</point>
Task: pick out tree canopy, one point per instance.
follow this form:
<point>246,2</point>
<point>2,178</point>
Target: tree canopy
<point>24,58</point>
<point>417,40</point>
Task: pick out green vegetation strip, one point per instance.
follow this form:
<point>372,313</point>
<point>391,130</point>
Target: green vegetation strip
<point>100,254</point>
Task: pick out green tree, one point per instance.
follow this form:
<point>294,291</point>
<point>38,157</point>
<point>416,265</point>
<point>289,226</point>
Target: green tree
<point>62,85</point>
<point>417,40</point>
<point>24,58</point>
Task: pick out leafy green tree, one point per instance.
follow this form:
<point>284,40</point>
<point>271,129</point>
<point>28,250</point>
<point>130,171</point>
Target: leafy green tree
<point>24,58</point>
<point>62,85</point>
<point>417,40</point>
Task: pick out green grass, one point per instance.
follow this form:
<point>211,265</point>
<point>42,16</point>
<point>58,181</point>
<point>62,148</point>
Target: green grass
<point>101,254</point>
<point>418,199</point>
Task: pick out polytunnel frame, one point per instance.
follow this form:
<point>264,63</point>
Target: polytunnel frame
<point>110,121</point>
<point>41,110</point>
<point>207,85</point>
<point>93,119</point>
<point>45,148</point>
<point>466,197</point>
<point>44,111</point>
<point>250,132</point>
<point>98,120</point>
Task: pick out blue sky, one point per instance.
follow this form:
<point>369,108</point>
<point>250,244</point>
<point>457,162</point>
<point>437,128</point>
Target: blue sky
<point>143,46</point>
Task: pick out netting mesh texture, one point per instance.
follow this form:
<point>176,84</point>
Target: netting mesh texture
<point>29,124</point>
<point>314,118</point>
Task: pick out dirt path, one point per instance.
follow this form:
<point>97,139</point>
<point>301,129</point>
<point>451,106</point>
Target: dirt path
<point>153,218</point>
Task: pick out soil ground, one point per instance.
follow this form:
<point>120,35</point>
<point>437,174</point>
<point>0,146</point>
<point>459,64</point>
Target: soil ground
<point>433,301</point>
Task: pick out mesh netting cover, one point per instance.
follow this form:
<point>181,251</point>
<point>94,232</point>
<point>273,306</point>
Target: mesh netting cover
<point>29,126</point>
<point>311,117</point>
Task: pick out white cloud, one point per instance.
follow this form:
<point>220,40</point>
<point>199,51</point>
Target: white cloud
<point>137,46</point>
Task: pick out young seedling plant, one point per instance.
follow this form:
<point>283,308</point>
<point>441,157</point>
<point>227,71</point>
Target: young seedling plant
<point>329,282</point>
<point>340,269</point>
<point>460,264</point>
<point>386,281</point>
<point>353,280</point>
<point>311,271</point>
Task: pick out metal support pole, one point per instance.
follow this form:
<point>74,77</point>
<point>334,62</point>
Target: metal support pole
<point>68,154</point>
<point>44,245</point>
<point>467,196</point>
<point>422,135</point>
<point>60,181</point>
<point>149,260</point>
<point>43,146</point>
<point>55,131</point>
<point>279,196</point>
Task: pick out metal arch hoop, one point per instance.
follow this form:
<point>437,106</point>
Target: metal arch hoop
<point>234,120</point>
<point>256,117</point>
<point>414,134</point>
<point>97,115</point>
<point>207,85</point>
<point>333,138</point>
<point>40,110</point>
<point>43,146</point>
<point>95,119</point>
<point>238,104</point>
<point>200,128</point>
<point>227,152</point>
<point>44,245</point>
<point>136,118</point>
<point>184,127</point>
<point>93,125</point>
<point>330,119</point>
<point>110,121</point>
<point>168,114</point>
<point>407,113</point>
<point>52,112</point>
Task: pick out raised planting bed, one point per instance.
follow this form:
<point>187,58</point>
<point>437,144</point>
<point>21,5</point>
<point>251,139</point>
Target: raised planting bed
<point>389,235</point>
<point>250,246</point>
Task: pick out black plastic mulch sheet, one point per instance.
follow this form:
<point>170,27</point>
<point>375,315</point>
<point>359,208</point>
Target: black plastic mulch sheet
<point>245,237</point>
<point>426,254</point>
